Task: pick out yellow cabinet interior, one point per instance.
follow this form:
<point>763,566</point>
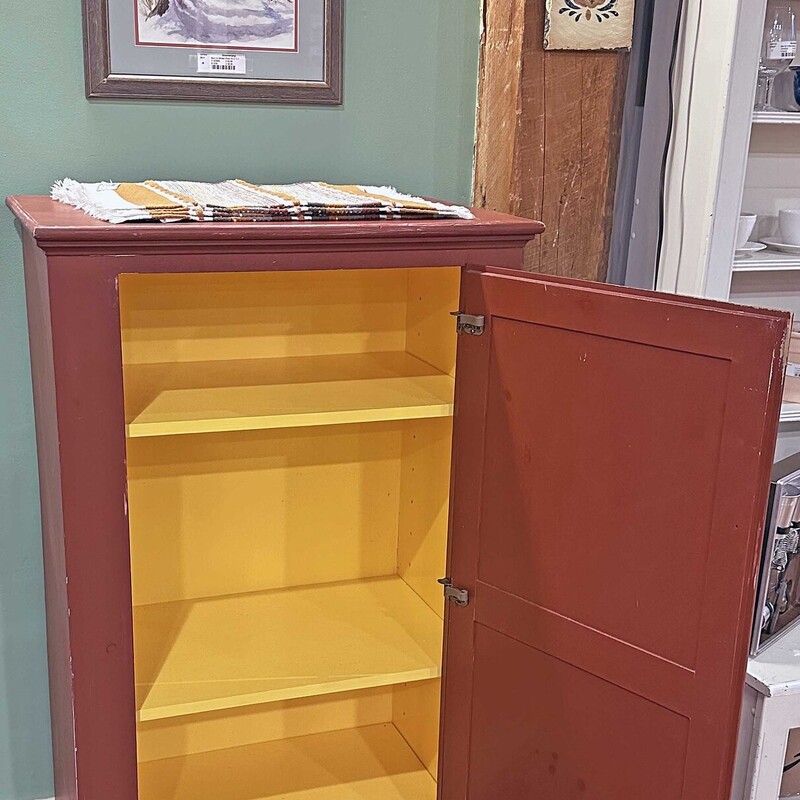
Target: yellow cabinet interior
<point>289,439</point>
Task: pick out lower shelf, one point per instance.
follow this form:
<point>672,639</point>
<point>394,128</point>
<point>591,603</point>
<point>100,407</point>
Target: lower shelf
<point>227,652</point>
<point>371,763</point>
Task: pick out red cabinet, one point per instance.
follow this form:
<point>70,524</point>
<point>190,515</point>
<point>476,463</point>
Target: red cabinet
<point>248,495</point>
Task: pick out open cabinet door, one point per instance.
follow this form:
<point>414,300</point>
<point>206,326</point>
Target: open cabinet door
<point>611,470</point>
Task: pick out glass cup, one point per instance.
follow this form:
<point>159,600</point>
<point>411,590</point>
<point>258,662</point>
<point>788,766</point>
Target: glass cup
<point>778,49</point>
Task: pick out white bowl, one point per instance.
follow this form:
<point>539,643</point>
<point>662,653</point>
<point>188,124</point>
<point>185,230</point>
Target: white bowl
<point>789,225</point>
<point>743,230</point>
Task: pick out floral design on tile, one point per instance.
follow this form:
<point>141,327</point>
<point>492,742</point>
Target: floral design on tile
<point>598,10</point>
<point>588,24</point>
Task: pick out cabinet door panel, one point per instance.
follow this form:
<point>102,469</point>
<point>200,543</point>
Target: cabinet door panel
<point>611,471</point>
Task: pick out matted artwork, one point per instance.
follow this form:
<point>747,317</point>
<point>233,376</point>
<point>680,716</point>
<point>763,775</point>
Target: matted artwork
<point>258,50</point>
<point>225,24</point>
<point>588,24</point>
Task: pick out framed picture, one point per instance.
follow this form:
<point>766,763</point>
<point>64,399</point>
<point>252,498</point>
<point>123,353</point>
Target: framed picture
<point>263,51</point>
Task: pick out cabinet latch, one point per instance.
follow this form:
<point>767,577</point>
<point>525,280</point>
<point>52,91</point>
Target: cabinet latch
<point>472,324</point>
<point>458,597</point>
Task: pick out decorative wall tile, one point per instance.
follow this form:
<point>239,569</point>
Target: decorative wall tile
<point>588,24</point>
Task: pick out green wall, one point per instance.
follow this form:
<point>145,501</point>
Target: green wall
<point>407,119</point>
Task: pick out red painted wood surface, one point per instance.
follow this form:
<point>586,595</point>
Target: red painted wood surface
<point>55,586</point>
<point>72,265</point>
<point>58,227</point>
<point>611,472</point>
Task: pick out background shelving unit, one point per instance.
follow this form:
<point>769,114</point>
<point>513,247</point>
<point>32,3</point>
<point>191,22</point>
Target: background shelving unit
<point>771,181</point>
<point>768,278</point>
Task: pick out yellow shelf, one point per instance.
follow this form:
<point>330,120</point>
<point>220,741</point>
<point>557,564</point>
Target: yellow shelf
<point>238,650</point>
<point>254,394</point>
<point>370,763</point>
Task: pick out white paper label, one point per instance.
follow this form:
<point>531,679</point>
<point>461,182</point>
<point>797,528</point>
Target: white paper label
<point>223,63</point>
<point>783,50</point>
<point>792,370</point>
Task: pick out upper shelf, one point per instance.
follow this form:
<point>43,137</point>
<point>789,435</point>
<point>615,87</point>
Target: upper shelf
<point>777,117</point>
<point>768,261</point>
<point>301,391</point>
<point>227,652</point>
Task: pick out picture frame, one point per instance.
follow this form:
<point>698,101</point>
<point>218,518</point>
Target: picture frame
<point>215,50</point>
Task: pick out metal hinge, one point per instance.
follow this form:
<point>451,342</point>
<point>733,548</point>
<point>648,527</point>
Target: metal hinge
<point>459,597</point>
<point>472,324</point>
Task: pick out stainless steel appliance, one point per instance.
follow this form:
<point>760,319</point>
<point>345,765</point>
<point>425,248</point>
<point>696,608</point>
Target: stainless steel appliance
<point>778,597</point>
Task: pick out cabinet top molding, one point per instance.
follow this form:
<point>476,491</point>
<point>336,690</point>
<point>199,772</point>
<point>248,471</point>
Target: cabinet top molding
<point>56,226</point>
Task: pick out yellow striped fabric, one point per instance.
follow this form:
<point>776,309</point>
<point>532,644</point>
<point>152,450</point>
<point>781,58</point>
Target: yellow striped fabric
<point>240,201</point>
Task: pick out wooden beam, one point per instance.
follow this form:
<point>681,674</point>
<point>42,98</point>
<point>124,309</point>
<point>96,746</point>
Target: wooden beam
<point>549,126</point>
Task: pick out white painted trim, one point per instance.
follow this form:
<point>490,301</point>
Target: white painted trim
<point>735,146</point>
<point>714,85</point>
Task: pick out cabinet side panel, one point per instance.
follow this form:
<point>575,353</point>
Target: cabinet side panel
<point>425,477</point>
<point>430,330</point>
<point>424,491</point>
<point>58,645</point>
<point>416,716</point>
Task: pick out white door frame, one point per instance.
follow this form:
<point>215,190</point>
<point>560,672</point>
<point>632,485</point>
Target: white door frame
<point>713,89</point>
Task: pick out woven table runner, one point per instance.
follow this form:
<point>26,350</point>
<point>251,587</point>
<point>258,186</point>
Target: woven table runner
<point>239,201</point>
